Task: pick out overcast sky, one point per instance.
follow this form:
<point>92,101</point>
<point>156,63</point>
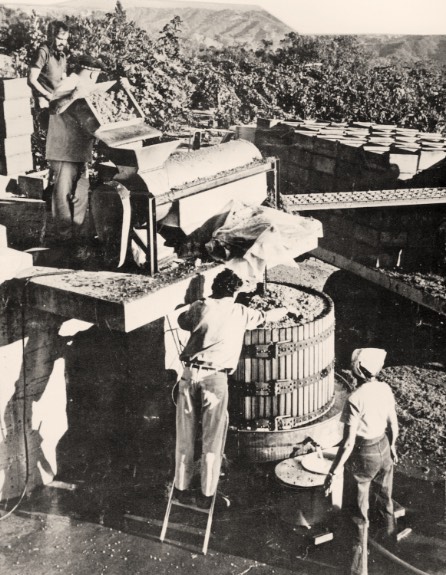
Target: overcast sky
<point>347,16</point>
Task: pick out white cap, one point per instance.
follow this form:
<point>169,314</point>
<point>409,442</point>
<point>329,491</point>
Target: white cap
<point>370,358</point>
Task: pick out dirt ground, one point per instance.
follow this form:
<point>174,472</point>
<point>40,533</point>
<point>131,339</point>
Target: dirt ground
<point>415,341</point>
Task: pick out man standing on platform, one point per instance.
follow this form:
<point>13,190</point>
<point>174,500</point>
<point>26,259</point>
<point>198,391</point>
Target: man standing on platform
<point>68,150</point>
<point>217,326</point>
<point>48,68</point>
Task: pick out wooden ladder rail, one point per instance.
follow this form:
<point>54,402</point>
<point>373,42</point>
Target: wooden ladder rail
<point>209,512</point>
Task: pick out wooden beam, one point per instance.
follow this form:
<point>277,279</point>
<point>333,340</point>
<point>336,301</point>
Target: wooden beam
<point>382,279</point>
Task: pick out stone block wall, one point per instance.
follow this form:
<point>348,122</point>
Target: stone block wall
<point>409,238</point>
<point>317,157</point>
<point>25,220</point>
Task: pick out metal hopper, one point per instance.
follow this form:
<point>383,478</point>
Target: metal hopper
<point>153,190</point>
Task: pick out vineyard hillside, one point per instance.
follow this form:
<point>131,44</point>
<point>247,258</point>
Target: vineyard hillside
<point>227,24</point>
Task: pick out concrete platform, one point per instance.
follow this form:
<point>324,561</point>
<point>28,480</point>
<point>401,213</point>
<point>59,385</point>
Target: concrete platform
<point>119,301</point>
<point>118,453</point>
<point>383,279</point>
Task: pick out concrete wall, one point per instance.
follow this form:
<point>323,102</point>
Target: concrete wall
<point>92,401</point>
<point>410,237</point>
<point>32,392</point>
<point>82,394</point>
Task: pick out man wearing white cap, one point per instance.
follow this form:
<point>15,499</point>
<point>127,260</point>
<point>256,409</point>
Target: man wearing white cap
<point>370,433</point>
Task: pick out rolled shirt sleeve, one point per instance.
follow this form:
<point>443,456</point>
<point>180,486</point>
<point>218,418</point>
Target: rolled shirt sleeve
<point>254,317</point>
<point>40,58</point>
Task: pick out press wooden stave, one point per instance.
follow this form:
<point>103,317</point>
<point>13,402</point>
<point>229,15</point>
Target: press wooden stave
<point>308,368</point>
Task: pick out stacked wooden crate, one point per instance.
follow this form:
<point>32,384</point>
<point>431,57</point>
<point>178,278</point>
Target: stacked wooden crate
<point>274,140</point>
<point>334,157</point>
<point>24,218</point>
<point>16,127</point>
<point>321,157</point>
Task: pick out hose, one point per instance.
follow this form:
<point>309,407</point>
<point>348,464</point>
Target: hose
<point>395,559</point>
<point>349,386</point>
<point>26,280</point>
<point>24,412</point>
<point>385,552</point>
<point>178,347</point>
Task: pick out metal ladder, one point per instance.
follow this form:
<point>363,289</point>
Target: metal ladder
<point>209,512</point>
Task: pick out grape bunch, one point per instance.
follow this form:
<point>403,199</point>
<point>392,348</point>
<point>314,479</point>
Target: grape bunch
<point>113,106</point>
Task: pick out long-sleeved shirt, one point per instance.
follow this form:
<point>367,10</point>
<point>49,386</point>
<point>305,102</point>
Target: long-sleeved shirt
<point>217,329</point>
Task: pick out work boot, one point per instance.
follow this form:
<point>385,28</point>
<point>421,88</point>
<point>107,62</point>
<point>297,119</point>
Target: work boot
<point>204,502</point>
<point>222,503</point>
<point>186,497</point>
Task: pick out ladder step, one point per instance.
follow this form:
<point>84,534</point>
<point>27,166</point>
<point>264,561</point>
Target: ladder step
<point>190,506</point>
<point>209,512</point>
<point>398,510</point>
<point>184,527</point>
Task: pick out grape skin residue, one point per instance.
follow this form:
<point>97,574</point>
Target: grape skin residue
<point>303,307</point>
<point>113,106</point>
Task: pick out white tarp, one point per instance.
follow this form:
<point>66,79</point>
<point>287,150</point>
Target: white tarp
<point>255,237</point>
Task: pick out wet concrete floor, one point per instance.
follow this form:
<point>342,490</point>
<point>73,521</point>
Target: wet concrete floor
<point>103,515</point>
<point>114,529</point>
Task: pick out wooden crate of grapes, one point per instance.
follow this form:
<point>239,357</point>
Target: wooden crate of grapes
<point>109,106</point>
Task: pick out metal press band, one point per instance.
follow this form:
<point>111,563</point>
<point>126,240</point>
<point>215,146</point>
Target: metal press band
<point>286,422</point>
<point>280,348</point>
<point>281,386</point>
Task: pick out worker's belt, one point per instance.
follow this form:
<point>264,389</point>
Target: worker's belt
<point>204,365</point>
<point>363,442</point>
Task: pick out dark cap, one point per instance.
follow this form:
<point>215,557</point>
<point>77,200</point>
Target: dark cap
<point>89,63</point>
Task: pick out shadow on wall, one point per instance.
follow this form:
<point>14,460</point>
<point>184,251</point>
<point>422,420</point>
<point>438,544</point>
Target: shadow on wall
<point>94,405</point>
<point>120,415</point>
<point>32,401</point>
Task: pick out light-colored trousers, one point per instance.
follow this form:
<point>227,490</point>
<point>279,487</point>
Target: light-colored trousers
<point>204,394</point>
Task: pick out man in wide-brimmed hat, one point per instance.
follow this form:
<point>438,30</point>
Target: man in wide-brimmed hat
<point>368,444</point>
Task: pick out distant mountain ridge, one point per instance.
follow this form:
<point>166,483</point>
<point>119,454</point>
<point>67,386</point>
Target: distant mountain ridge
<point>410,48</point>
<point>206,23</point>
<point>227,24</point>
